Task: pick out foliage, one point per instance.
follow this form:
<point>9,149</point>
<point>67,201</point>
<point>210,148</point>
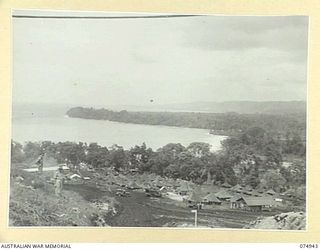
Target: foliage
<point>220,123</point>
<point>253,157</point>
<point>17,154</point>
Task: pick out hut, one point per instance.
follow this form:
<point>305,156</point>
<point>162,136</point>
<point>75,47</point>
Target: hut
<point>224,195</point>
<point>226,185</point>
<point>75,176</point>
<point>278,198</point>
<point>138,182</point>
<point>184,188</point>
<point>271,192</point>
<point>164,189</point>
<point>256,193</point>
<point>194,199</point>
<point>237,188</point>
<point>157,182</point>
<point>211,199</point>
<point>132,185</point>
<point>146,186</point>
<point>134,170</point>
<point>236,201</point>
<point>260,190</point>
<point>246,192</point>
<point>291,193</point>
<point>174,184</point>
<point>257,204</point>
<point>248,188</point>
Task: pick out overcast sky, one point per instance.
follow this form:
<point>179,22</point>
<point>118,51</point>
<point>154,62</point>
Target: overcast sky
<point>170,60</point>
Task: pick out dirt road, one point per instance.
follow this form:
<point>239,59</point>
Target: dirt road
<point>141,211</point>
<point>138,210</point>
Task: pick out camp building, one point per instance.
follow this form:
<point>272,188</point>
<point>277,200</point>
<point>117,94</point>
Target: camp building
<point>251,203</point>
<point>211,199</point>
<point>224,195</point>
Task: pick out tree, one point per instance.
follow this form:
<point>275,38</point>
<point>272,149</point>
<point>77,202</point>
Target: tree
<point>139,156</point>
<point>70,152</point>
<point>119,159</point>
<point>172,150</point>
<point>17,154</point>
<point>273,179</point>
<point>253,177</point>
<point>172,171</point>
<point>295,174</point>
<point>97,156</point>
<point>32,150</point>
<point>274,158</point>
<point>199,149</point>
<point>294,145</point>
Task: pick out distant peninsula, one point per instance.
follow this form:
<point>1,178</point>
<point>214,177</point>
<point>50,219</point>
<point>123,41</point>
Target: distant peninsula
<point>217,123</point>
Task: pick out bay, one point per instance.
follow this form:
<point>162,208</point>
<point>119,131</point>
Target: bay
<point>56,127</point>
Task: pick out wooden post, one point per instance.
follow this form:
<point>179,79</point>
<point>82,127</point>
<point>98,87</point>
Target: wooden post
<point>195,217</point>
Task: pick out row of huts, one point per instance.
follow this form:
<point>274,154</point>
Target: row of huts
<point>235,197</point>
<point>232,200</point>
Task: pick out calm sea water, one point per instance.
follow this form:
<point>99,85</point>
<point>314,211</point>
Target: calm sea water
<point>30,124</point>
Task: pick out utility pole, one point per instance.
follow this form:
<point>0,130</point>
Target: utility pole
<point>195,217</point>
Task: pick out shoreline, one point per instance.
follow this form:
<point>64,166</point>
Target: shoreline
<point>200,135</point>
<point>153,125</point>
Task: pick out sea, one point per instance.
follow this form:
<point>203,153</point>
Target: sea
<point>49,122</point>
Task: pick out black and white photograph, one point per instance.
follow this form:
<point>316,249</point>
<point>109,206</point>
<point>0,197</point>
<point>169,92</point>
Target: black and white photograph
<point>158,120</point>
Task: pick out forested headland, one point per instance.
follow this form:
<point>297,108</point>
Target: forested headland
<point>281,125</point>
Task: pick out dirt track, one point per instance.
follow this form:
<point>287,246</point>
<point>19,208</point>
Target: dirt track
<point>138,210</point>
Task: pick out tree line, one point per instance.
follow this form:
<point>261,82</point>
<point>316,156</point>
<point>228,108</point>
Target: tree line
<point>281,125</point>
<point>253,157</point>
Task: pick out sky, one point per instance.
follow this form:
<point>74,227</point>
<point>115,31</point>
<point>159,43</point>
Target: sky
<point>101,62</point>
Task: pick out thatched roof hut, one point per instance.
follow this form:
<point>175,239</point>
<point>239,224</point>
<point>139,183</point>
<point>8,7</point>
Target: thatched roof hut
<point>133,185</point>
<point>256,193</point>
<point>248,188</point>
<point>195,197</point>
<point>223,195</point>
<point>226,185</point>
<point>184,188</point>
<point>271,192</point>
<point>211,199</point>
<point>236,188</point>
<point>235,198</point>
